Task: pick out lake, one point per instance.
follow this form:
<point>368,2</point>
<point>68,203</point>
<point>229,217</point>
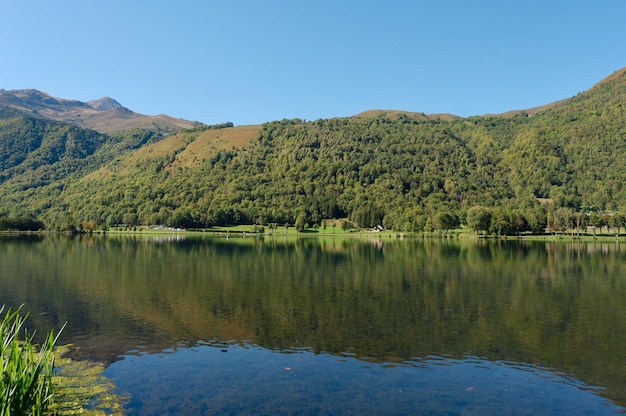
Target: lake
<point>334,326</point>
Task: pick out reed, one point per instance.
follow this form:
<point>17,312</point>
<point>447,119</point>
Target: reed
<point>26,368</point>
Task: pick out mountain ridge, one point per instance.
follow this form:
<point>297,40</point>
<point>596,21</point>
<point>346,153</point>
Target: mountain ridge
<point>105,115</point>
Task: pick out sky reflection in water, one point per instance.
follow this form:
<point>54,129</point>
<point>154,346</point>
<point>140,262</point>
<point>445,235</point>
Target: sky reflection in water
<point>226,379</point>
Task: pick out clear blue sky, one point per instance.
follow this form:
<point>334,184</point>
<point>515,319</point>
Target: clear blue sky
<point>254,61</point>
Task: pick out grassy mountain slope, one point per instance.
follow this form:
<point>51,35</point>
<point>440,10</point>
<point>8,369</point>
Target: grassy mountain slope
<point>186,149</point>
<point>406,170</point>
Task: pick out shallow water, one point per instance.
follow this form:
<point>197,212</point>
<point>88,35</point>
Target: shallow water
<point>334,326</point>
<point>240,380</point>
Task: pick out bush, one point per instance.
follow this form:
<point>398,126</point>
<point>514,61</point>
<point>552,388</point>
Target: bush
<point>346,225</point>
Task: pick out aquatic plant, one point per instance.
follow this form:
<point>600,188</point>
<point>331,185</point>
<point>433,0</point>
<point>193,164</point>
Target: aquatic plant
<point>81,389</point>
<point>25,367</point>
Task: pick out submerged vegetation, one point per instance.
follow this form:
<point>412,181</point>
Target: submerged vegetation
<point>81,389</point>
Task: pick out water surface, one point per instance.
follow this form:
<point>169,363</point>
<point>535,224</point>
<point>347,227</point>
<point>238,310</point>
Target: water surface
<point>334,326</point>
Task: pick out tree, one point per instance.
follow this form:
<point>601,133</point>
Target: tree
<point>500,222</point>
<point>300,222</point>
<point>536,220</point>
<point>445,221</point>
<point>130,219</point>
<point>617,221</point>
<point>478,218</point>
<point>517,222</point>
<point>563,219</point>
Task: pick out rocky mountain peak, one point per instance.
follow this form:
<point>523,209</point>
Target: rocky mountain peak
<point>105,104</point>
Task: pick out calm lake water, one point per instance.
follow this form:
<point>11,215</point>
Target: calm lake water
<point>333,326</point>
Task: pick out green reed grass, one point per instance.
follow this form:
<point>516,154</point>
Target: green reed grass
<point>26,368</point>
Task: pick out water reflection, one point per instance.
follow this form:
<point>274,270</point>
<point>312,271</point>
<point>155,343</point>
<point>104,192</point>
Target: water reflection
<point>556,305</point>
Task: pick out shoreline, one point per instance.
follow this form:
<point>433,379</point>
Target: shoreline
<point>249,231</point>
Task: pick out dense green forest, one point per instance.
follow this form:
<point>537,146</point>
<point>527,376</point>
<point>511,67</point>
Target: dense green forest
<point>561,167</point>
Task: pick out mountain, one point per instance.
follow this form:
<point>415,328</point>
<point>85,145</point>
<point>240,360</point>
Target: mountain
<point>105,104</point>
<point>104,115</point>
<point>560,165</point>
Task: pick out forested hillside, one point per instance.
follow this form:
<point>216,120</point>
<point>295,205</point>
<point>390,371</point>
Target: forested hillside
<point>558,167</point>
<point>39,158</point>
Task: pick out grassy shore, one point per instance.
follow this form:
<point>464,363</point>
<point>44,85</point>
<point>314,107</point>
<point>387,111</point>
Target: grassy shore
<point>460,233</point>
<point>329,231</point>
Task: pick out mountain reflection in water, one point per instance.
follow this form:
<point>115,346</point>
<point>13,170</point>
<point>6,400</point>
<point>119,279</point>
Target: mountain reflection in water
<point>362,304</point>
